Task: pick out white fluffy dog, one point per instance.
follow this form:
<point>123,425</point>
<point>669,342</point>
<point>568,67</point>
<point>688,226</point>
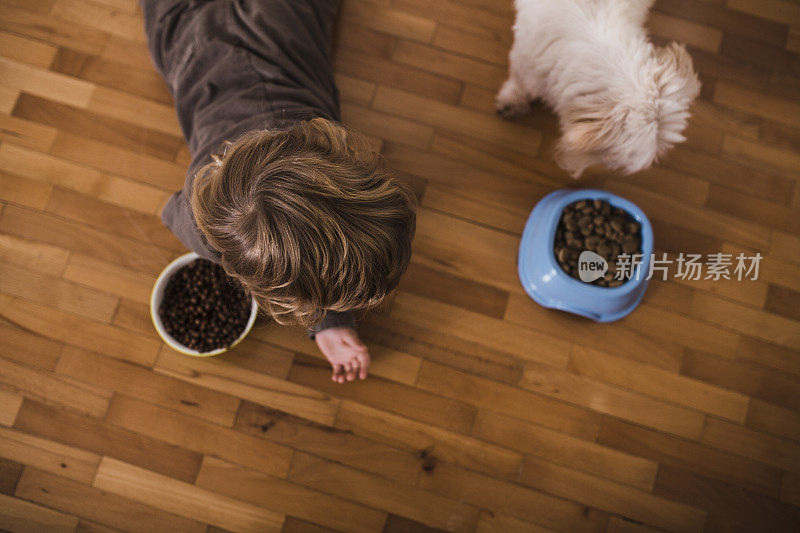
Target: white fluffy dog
<point>622,101</point>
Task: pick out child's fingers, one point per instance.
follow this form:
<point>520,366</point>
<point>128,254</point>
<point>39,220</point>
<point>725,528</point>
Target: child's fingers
<point>363,363</point>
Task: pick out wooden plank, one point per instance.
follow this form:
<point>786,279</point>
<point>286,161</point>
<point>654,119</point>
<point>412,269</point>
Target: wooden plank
<point>19,345</point>
<point>466,42</point>
<point>373,491</point>
<point>748,101</point>
<point>511,499</point>
<point>774,419</point>
<point>127,52</point>
<point>183,499</point>
<point>613,497</point>
<point>367,67</point>
<point>747,320</point>
<point>105,508</point>
<point>458,173</point>
<point>142,383</point>
<point>637,345</point>
<point>429,441</point>
<point>682,30</point>
<point>118,191</point>
<point>49,229</point>
<point>767,384</point>
<point>49,456</point>
<point>393,397</point>
<point>659,383</point>
<point>288,498</point>
<point>737,148</point>
<point>26,133</point>
<point>109,278</point>
<point>426,342</point>
<point>493,396</point>
<point>383,18</point>
<point>8,99</point>
<point>778,10</point>
<point>614,401</point>
<point>24,50</point>
<point>23,191</point>
<point>355,91</point>
<point>100,17</point>
<point>146,113</point>
<point>768,355</point>
<point>755,180</point>
<point>53,292</point>
<point>709,123</point>
<point>447,64</point>
<point>232,376</point>
<point>689,332</point>
<point>45,28</point>
<point>428,282</point>
<point>519,341</point>
<point>790,493</point>
<point>783,302</point>
<point>736,439</point>
<point>565,449</point>
<point>189,433</point>
<point>44,83</point>
<point>720,225</point>
<point>58,325</point>
<point>114,219</point>
<point>48,387</point>
<point>386,126</point>
<point>142,82</point>
<point>10,403</point>
<point>454,118</point>
<point>329,442</point>
<point>780,136</point>
<point>26,517</point>
<point>480,21</point>
<point>34,255</point>
<point>676,452</point>
<point>131,164</point>
<point>491,522</point>
<point>732,22</point>
<point>729,508</point>
<point>10,471</point>
<point>761,54</point>
<point>93,435</point>
<point>96,126</point>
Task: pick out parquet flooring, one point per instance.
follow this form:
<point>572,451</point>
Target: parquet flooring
<point>483,412</point>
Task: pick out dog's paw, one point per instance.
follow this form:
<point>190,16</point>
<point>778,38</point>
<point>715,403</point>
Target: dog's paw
<point>511,101</point>
<point>511,110</point>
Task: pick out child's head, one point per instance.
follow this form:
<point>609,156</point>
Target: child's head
<point>307,219</point>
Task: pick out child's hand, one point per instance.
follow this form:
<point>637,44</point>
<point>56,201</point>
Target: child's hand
<point>346,353</point>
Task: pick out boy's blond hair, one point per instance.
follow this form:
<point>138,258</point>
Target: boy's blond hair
<point>307,219</point>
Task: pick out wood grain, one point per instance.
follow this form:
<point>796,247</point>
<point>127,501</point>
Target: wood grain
<point>484,411</point>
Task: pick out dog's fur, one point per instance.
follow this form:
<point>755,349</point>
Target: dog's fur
<point>622,101</point>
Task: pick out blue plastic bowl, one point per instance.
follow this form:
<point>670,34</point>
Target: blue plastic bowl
<point>545,281</point>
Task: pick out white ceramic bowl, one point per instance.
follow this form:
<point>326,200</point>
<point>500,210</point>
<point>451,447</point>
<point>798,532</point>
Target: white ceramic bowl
<point>158,294</point>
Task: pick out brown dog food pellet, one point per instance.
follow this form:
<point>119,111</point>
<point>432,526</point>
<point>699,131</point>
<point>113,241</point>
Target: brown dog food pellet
<point>597,226</point>
<point>203,308</point>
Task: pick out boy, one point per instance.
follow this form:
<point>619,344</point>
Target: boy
<point>296,208</point>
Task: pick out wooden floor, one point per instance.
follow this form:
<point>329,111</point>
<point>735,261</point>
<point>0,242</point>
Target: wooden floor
<point>483,411</point>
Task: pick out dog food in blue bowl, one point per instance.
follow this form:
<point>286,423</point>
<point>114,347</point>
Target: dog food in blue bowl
<point>568,254</point>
